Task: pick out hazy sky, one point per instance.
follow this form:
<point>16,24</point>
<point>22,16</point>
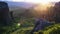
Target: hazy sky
<point>29,0</point>
<point>34,1</point>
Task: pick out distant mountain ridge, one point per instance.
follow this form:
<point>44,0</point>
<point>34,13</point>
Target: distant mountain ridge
<point>17,5</point>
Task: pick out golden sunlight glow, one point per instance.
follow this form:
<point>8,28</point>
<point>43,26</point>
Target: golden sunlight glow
<point>43,7</point>
<point>38,1</point>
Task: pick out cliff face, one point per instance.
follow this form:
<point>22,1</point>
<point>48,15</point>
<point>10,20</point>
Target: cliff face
<point>4,13</point>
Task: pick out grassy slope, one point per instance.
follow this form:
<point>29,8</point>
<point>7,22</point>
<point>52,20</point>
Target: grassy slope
<point>26,28</point>
<point>48,30</point>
